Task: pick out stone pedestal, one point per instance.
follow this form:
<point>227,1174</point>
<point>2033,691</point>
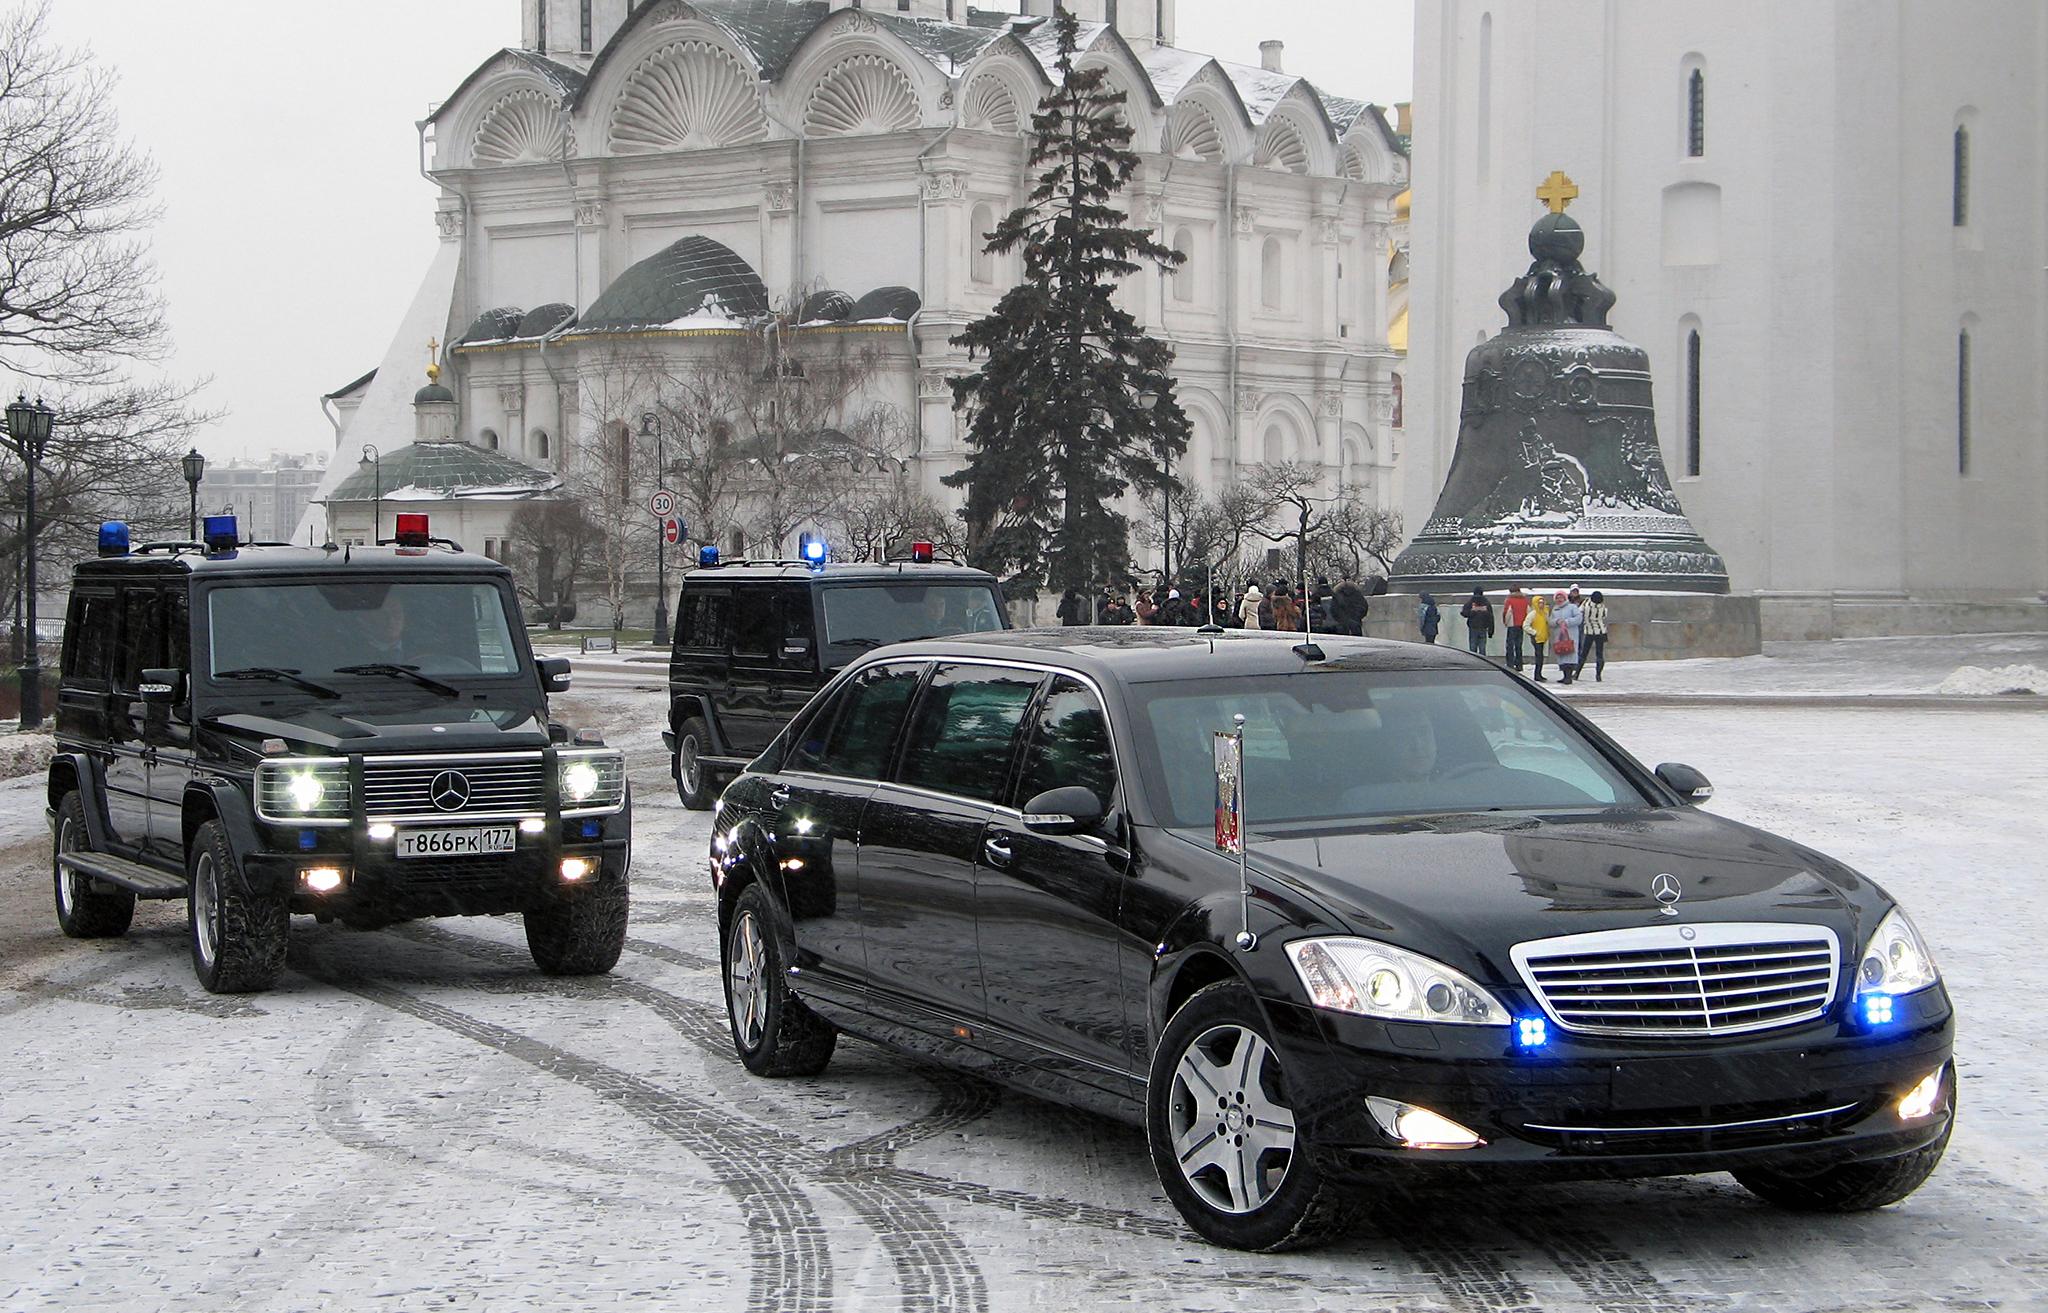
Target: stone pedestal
<point>1642,626</point>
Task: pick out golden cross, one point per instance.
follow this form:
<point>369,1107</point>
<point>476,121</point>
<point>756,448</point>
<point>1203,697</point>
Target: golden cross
<point>433,360</point>
<point>1557,191</point>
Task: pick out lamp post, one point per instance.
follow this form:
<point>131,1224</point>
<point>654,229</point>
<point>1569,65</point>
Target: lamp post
<point>1148,402</point>
<point>28,428</point>
<point>650,426</point>
<point>371,460</point>
<point>195,469</point>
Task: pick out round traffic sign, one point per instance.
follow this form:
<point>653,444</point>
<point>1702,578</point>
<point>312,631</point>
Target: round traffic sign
<point>672,531</point>
<point>662,504</point>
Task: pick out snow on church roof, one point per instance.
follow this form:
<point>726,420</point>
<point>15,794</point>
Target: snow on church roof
<point>692,283</point>
<point>441,470</point>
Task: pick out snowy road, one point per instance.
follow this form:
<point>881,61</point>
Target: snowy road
<point>416,1119</point>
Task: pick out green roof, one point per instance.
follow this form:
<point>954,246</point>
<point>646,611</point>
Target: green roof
<point>445,468</point>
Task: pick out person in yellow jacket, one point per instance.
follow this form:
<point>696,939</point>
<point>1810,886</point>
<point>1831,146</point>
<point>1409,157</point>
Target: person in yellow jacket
<point>1537,630</point>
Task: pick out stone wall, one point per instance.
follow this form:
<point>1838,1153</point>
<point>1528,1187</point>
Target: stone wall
<point>1641,626</point>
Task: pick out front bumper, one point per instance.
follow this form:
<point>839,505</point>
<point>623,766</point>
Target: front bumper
<point>1801,1099</point>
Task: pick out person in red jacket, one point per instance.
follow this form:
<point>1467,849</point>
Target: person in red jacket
<point>1515,612</point>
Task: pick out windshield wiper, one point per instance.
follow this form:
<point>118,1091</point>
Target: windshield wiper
<point>859,642</point>
<point>397,671</point>
<point>281,675</point>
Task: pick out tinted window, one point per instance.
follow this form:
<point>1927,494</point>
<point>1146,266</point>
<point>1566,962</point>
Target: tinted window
<point>768,622</point>
<point>706,620</point>
<point>853,736</point>
<point>1069,745</point>
<point>1342,744</point>
<point>439,628</point>
<point>866,616</point>
<point>142,636</point>
<point>89,637</point>
<point>962,737</point>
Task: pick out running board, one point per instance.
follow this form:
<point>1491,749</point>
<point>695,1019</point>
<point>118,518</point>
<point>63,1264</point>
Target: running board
<point>142,881</point>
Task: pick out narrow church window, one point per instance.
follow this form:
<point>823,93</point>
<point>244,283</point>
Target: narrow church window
<point>1270,280</point>
<point>1963,402</point>
<point>902,6</point>
<point>540,27</point>
<point>1696,114</point>
<point>1961,183</point>
<point>490,437</point>
<point>1184,276</point>
<point>984,261</point>
<point>1692,403</point>
<point>540,443</point>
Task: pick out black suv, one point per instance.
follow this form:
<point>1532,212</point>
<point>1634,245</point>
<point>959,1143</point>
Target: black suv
<point>1467,933</point>
<point>755,640</point>
<point>358,733</point>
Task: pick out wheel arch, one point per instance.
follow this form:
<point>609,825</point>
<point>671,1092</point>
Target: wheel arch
<point>71,772</point>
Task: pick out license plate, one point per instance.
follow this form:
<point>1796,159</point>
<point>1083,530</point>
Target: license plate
<point>470,841</point>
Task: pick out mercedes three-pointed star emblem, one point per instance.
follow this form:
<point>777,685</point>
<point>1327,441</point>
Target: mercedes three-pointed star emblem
<point>1666,890</point>
<point>450,791</point>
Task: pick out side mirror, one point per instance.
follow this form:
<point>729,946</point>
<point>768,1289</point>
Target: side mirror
<point>161,688</point>
<point>1686,782</point>
<point>554,674</point>
<point>1063,811</point>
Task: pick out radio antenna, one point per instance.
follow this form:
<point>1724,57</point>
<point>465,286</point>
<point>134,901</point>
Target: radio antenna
<point>1246,940</point>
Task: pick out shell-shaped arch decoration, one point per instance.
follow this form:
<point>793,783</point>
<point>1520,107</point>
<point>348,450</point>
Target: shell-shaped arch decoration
<point>1192,134</point>
<point>1354,164</point>
<point>526,127</point>
<point>689,95</point>
<point>1283,149</point>
<point>990,107</point>
<point>862,95</point>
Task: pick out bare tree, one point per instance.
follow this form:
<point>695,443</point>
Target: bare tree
<point>1297,507</point>
<point>1358,536</point>
<point>612,471</point>
<point>551,544</point>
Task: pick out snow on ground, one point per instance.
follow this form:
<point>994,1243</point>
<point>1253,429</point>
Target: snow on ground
<point>1853,667</point>
<point>417,1119</point>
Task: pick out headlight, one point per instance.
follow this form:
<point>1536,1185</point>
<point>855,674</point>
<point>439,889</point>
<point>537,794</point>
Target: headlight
<point>302,791</point>
<point>591,781</point>
<point>1379,980</point>
<point>1895,961</point>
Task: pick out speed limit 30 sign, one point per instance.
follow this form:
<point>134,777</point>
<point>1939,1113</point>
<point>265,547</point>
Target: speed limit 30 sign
<point>662,504</point>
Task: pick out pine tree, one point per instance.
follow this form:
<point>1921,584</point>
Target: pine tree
<point>1060,424</point>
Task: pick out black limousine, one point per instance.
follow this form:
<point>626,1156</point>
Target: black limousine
<point>1467,933</point>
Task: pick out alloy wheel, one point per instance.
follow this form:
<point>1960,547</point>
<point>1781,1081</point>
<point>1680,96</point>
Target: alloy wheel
<point>747,980</point>
<point>205,906</point>
<point>688,765</point>
<point>1232,1136</point>
<point>67,881</point>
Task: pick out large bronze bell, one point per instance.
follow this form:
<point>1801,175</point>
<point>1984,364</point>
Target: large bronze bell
<point>1557,478</point>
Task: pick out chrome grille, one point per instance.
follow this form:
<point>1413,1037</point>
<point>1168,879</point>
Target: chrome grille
<point>499,785</point>
<point>1723,979</point>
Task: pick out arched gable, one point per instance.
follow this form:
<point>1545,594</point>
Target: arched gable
<point>1363,156</point>
<point>1001,89</point>
<point>509,110</point>
<point>861,95</point>
<point>671,79</point>
<point>1296,137</point>
<point>1144,110</point>
<point>851,70</point>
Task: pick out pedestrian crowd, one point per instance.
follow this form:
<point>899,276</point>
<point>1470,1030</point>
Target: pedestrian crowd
<point>1568,630</point>
<point>1320,608</point>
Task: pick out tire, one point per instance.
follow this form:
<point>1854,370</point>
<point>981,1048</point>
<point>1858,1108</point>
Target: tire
<point>83,912</point>
<point>1199,1112</point>
<point>238,939</point>
<point>772,1030</point>
<point>1851,1187</point>
<point>584,936</point>
<point>694,782</point>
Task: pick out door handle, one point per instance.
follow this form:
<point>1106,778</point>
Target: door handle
<point>779,799</point>
<point>997,847</point>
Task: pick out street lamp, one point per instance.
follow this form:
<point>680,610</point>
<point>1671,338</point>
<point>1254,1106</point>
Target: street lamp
<point>28,428</point>
<point>195,470</point>
<point>1149,402</point>
<point>650,427</point>
<point>371,462</point>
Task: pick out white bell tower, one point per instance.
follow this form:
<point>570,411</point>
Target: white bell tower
<point>570,31</point>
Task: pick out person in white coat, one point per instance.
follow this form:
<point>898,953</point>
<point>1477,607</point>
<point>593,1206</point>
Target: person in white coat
<point>1248,610</point>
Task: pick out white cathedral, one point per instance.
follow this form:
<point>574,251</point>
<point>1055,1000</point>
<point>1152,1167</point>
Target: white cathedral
<point>662,171</point>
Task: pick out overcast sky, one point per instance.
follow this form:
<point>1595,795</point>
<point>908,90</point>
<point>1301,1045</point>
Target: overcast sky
<point>296,225</point>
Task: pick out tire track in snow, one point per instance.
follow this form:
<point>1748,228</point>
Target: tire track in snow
<point>791,1261</point>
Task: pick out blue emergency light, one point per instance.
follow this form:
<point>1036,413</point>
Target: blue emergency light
<point>220,533</point>
<point>113,538</point>
<point>813,549</point>
<point>1531,1032</point>
<point>1877,1009</point>
<point>707,555</point>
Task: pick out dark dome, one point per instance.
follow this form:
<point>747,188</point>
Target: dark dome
<point>492,325</point>
<point>544,319</point>
<point>827,307</point>
<point>1557,237</point>
<point>433,392</point>
<point>694,276</point>
<point>887,303</point>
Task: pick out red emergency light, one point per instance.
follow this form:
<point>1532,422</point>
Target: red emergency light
<point>921,553</point>
<point>412,530</point>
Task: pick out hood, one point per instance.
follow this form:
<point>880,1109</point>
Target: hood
<point>1492,882</point>
<point>448,727</point>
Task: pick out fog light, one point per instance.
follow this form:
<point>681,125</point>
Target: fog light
<point>322,879</point>
<point>1877,1009</point>
<point>532,825</point>
<point>1920,1101</point>
<point>1419,1128</point>
<point>1531,1032</point>
<point>383,832</point>
<point>577,868</point>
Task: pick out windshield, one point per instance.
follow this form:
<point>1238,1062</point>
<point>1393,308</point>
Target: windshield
<point>871,615</point>
<point>316,630</point>
<point>1333,744</point>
